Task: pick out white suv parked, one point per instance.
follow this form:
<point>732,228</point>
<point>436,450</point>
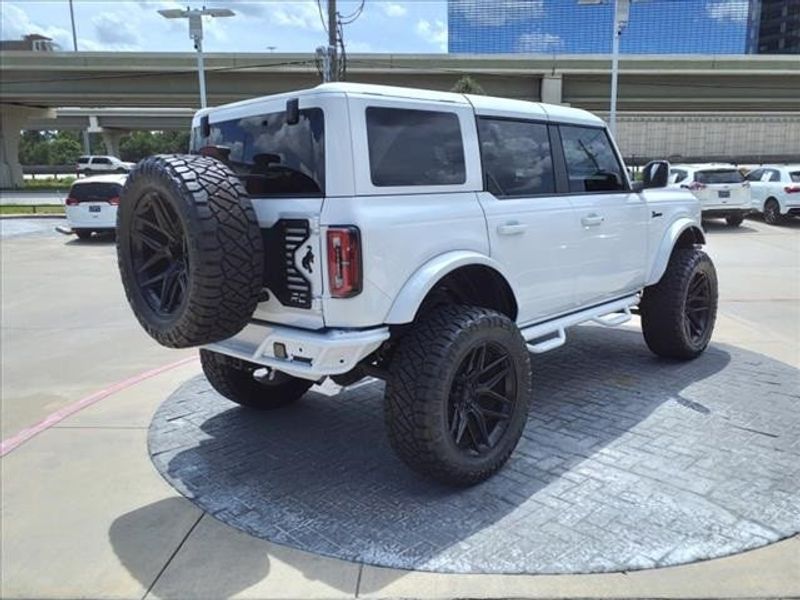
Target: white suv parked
<point>91,206</point>
<point>721,189</point>
<point>430,239</point>
<point>88,165</point>
<point>776,191</point>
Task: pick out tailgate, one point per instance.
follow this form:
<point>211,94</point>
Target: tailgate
<point>292,261</point>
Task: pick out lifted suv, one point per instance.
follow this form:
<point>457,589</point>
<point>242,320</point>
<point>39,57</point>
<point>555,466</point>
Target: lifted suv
<point>433,240</point>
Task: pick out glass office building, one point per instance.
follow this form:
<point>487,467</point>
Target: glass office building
<point>654,26</point>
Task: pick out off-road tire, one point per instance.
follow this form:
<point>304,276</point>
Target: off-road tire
<point>418,392</point>
<point>772,212</point>
<point>222,242</point>
<point>734,220</point>
<point>663,307</point>
<point>83,234</point>
<point>235,380</point>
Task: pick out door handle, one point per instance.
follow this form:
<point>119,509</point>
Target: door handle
<point>592,220</point>
<point>512,229</point>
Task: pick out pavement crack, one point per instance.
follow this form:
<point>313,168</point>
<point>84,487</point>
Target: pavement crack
<point>358,579</point>
<point>173,555</point>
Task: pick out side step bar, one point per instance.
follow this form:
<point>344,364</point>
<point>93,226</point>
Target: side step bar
<point>612,314</point>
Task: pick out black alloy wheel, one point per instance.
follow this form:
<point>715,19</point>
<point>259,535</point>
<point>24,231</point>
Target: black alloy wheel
<point>772,212</point>
<point>482,399</point>
<point>160,255</point>
<point>697,311</point>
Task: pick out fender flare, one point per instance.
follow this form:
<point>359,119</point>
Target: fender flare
<point>668,241</point>
<point>422,281</point>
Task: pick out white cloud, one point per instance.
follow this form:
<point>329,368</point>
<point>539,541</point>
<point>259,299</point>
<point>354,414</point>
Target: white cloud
<point>393,9</point>
<point>114,31</point>
<point>433,32</point>
<point>303,15</point>
<point>494,13</point>
<point>538,43</point>
<point>733,10</point>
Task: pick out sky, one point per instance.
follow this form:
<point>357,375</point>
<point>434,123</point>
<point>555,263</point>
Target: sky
<point>416,26</point>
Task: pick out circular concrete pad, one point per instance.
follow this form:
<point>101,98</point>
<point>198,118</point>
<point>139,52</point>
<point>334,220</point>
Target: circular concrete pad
<point>627,462</point>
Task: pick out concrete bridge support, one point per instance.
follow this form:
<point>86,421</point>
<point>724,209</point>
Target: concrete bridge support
<point>13,119</point>
<point>111,138</point>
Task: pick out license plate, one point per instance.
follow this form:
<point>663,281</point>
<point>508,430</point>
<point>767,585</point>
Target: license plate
<point>97,208</point>
<point>724,193</point>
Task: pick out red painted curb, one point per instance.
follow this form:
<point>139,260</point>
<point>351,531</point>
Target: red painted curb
<point>54,418</point>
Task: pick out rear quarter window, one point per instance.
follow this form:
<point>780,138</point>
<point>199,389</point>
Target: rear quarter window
<point>414,147</point>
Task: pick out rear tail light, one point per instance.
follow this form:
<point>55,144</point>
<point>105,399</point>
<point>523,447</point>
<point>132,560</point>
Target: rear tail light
<point>114,201</point>
<point>72,201</point>
<point>696,185</point>
<point>344,261</point>
<point>792,189</point>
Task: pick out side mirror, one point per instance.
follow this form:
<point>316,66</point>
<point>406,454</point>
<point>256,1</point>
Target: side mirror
<point>655,174</point>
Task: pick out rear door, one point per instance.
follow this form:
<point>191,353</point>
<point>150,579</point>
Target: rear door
<point>758,188</point>
<point>530,226</point>
<point>610,221</point>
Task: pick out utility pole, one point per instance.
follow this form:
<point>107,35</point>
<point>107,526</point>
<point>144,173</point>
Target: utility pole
<point>333,71</point>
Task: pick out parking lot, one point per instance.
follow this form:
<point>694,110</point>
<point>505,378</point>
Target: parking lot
<point>87,514</point>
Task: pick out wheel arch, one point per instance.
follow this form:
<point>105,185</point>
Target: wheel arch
<point>683,233</point>
<point>463,276</point>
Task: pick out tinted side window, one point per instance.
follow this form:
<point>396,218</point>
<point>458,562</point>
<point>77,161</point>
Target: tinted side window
<point>83,160</point>
<point>101,161</point>
<point>592,165</point>
<point>414,147</point>
<point>516,157</point>
<point>774,175</point>
<point>755,175</point>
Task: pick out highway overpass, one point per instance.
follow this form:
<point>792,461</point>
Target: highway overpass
<point>658,96</point>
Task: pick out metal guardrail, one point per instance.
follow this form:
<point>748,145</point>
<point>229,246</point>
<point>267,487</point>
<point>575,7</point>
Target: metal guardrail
<point>48,169</point>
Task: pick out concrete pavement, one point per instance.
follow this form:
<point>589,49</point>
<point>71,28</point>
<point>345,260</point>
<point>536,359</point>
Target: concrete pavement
<point>85,514</point>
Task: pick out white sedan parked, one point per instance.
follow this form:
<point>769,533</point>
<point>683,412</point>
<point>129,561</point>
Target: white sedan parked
<point>776,191</point>
<point>92,203</point>
<point>720,188</point>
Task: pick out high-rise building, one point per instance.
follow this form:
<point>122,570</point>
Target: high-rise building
<point>654,26</point>
<point>774,27</point>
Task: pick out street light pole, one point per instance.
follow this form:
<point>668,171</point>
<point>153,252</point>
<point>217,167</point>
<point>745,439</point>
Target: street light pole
<point>612,113</point>
<point>74,33</point>
<point>195,17</point>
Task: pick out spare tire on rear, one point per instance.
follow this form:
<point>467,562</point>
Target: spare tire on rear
<point>189,250</point>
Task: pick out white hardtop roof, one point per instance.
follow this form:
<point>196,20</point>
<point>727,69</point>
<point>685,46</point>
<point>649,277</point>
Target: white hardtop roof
<point>483,105</point>
<point>114,178</point>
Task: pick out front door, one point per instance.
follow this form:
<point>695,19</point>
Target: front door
<point>610,221</point>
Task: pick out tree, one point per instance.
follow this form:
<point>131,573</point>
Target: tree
<point>64,149</point>
<point>467,85</point>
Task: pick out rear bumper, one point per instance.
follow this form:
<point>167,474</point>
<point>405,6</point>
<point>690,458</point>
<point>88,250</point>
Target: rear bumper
<point>725,212</point>
<point>300,352</point>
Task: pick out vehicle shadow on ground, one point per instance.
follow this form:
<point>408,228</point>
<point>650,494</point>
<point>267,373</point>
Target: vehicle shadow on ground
<point>136,536</point>
<point>95,240</point>
<point>787,223</point>
<point>717,227</point>
<point>320,475</point>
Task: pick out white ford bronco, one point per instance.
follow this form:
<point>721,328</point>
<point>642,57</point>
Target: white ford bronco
<point>434,240</point>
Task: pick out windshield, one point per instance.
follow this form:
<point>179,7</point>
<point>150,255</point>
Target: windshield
<point>719,176</point>
<point>271,157</point>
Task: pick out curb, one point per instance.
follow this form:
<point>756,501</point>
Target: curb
<point>32,216</point>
